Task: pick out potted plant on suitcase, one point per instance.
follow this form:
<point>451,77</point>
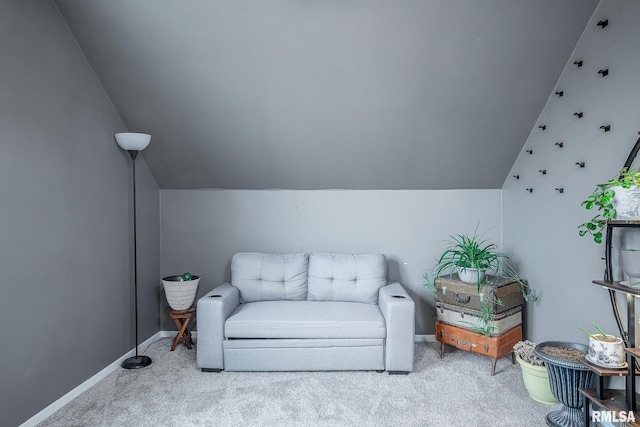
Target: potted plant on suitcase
<point>470,257</point>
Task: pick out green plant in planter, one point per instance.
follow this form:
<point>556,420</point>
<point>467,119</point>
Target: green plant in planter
<point>603,336</point>
<point>465,252</point>
<point>605,350</point>
<point>474,252</point>
<point>602,200</point>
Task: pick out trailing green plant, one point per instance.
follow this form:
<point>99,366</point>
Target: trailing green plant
<point>465,252</point>
<point>430,285</point>
<point>509,270</point>
<point>487,316</point>
<point>602,200</point>
<point>486,319</point>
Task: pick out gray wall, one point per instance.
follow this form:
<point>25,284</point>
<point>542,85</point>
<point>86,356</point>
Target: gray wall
<point>202,229</point>
<point>64,218</point>
<point>541,227</point>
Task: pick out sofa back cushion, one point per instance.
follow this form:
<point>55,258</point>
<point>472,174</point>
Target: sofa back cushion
<point>270,277</point>
<point>346,277</point>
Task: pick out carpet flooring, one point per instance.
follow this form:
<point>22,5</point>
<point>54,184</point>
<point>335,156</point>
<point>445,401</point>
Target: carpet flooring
<point>457,390</point>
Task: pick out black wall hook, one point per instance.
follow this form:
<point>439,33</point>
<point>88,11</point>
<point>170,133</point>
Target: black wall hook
<point>581,164</point>
<point>530,190</point>
<point>578,63</point>
<point>530,151</point>
<point>543,127</point>
<point>516,176</point>
<point>560,144</point>
<point>604,72</point>
<point>605,128</point>
<point>560,93</point>
<point>579,115</point>
<point>543,171</point>
<point>560,190</point>
<point>603,23</point>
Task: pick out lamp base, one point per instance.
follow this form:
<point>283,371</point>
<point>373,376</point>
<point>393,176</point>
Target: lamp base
<point>136,362</point>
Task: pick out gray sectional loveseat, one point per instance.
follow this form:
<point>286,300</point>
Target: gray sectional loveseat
<point>300,312</point>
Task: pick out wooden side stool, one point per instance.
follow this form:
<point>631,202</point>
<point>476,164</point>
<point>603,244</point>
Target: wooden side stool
<point>182,318</point>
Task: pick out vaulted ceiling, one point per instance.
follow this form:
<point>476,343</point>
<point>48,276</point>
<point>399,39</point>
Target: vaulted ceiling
<point>311,94</point>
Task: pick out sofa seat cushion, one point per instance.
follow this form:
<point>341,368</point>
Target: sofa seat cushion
<point>305,319</point>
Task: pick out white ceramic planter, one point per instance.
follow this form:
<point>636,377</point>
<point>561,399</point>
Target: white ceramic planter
<point>627,202</point>
<point>631,265</point>
<point>606,354</point>
<point>470,275</point>
<point>180,293</point>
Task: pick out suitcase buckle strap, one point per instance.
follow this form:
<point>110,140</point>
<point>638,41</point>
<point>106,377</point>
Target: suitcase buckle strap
<point>461,300</point>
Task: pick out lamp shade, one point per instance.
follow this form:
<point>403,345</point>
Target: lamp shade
<point>131,141</point>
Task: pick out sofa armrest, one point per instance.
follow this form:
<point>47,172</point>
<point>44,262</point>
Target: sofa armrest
<point>213,310</point>
<point>398,310</point>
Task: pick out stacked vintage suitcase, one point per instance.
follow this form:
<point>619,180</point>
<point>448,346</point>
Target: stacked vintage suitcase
<point>459,308</point>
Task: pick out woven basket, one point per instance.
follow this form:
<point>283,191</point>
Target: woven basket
<point>180,293</point>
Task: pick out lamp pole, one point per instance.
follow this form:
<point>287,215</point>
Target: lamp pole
<point>133,143</point>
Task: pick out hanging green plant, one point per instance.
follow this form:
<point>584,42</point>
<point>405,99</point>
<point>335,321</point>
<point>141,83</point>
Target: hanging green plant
<point>602,201</point>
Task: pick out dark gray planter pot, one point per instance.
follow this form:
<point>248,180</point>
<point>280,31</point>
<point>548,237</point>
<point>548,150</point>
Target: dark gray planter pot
<point>565,377</point>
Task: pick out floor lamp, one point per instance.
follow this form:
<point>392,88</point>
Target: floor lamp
<point>134,143</point>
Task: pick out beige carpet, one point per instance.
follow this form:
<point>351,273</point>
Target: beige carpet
<point>457,390</point>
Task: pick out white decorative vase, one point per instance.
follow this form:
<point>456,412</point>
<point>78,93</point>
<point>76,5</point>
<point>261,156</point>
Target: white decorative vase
<point>608,354</point>
<point>631,265</point>
<point>627,202</point>
<point>180,293</point>
<point>470,275</point>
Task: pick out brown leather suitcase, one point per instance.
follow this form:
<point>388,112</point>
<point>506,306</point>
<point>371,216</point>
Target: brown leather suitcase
<point>494,347</point>
<point>451,290</point>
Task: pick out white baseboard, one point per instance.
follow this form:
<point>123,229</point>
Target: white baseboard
<point>55,406</point>
<point>425,338</point>
<point>172,334</point>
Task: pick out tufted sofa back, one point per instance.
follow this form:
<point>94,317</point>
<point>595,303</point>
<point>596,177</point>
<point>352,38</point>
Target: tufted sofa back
<point>315,277</point>
<point>346,277</point>
<point>270,277</point>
